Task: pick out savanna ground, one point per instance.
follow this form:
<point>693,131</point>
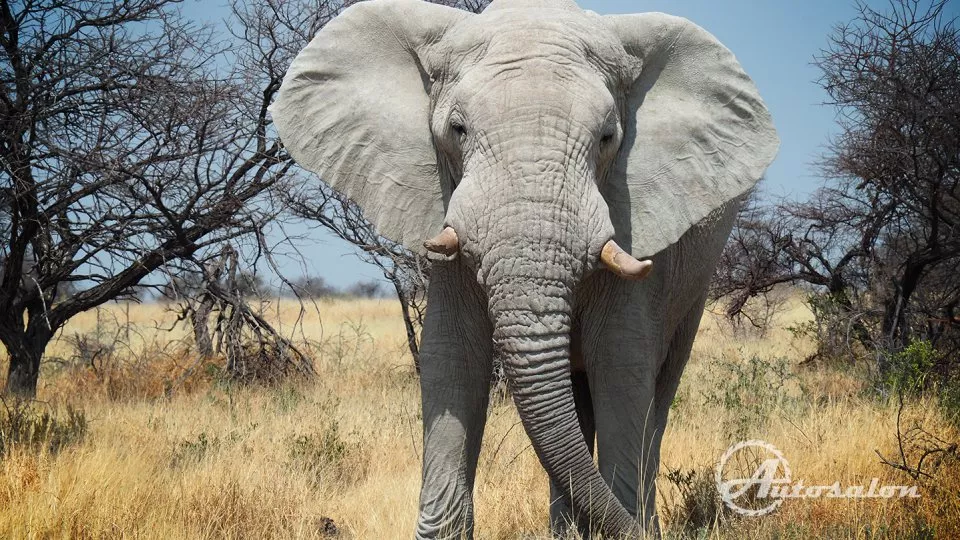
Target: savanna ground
<point>164,448</point>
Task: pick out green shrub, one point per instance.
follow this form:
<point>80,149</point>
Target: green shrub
<point>325,454</point>
<point>911,370</point>
<point>748,390</point>
<point>287,398</point>
<point>318,450</point>
<point>949,395</point>
<point>193,451</point>
<point>29,426</point>
<point>829,327</point>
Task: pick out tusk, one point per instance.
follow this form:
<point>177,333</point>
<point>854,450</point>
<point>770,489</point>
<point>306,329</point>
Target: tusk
<point>622,263</point>
<point>445,243</point>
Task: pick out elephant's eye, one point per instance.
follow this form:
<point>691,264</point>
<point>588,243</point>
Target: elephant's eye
<point>458,128</point>
<point>607,137</point>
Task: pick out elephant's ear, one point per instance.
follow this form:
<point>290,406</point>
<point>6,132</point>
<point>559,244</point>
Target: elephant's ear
<point>354,108</point>
<point>697,134</point>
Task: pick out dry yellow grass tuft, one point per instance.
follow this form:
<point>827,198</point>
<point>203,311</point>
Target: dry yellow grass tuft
<point>214,460</point>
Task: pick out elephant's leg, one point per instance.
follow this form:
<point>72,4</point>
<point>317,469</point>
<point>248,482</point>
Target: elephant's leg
<point>561,514</point>
<point>622,342</point>
<point>626,420</point>
<point>632,394</point>
<point>455,363</point>
<point>668,379</point>
<point>678,352</point>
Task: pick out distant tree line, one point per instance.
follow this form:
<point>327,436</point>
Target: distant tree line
<point>252,285</point>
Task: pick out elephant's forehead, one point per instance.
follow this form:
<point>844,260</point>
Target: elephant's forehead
<point>526,37</point>
<point>512,36</point>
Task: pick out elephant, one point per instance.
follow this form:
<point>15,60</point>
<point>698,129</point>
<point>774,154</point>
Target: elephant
<point>574,179</point>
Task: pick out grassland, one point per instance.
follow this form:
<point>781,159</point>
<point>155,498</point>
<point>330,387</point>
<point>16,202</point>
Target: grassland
<point>171,451</point>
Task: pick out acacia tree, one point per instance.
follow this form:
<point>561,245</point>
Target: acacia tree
<point>131,139</point>
<point>882,237</point>
<point>895,79</point>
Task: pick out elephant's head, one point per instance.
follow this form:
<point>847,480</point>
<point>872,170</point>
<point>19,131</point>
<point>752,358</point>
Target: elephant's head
<point>529,137</point>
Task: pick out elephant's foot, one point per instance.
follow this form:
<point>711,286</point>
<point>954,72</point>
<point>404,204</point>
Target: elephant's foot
<point>446,522</point>
<point>564,523</point>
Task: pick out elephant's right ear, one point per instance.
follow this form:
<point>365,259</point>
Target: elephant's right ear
<point>354,108</point>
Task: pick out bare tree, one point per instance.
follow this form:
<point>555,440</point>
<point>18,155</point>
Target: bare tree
<point>406,271</point>
<point>131,138</point>
<point>254,350</point>
<point>753,263</point>
<point>817,243</point>
<point>882,237</point>
<point>895,80</point>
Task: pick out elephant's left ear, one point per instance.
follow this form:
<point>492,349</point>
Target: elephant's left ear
<point>696,137</point>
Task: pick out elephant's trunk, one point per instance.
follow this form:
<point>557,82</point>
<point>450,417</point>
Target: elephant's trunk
<point>532,322</point>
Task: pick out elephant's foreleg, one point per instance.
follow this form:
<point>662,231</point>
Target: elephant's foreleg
<point>561,513</point>
<point>455,375</point>
<point>668,379</point>
<point>622,343</point>
<point>626,420</point>
<point>668,376</point>
<point>632,400</point>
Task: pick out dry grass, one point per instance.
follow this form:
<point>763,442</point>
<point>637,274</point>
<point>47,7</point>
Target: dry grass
<point>214,460</point>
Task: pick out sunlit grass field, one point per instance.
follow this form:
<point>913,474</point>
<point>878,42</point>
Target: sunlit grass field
<point>172,451</point>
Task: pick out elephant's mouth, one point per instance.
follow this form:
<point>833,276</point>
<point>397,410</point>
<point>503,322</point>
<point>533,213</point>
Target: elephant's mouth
<point>612,256</point>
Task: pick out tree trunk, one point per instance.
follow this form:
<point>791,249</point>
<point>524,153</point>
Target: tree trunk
<point>839,291</point>
<point>894,328</point>
<point>25,355</point>
<point>201,326</point>
<point>894,316</point>
<point>412,341</point>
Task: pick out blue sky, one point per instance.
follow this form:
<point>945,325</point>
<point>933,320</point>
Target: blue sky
<point>775,41</point>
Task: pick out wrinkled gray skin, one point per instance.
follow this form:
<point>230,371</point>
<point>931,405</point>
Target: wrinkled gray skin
<point>539,132</point>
